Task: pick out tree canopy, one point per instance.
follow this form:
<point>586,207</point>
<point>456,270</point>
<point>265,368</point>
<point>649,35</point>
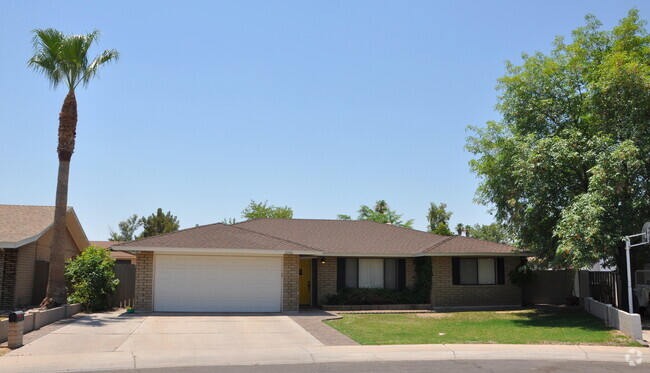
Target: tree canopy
<point>567,167</point>
<point>159,223</point>
<point>127,229</point>
<point>381,213</point>
<point>494,232</point>
<point>438,218</point>
<point>64,58</point>
<point>262,210</point>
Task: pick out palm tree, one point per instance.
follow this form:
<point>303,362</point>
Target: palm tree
<point>460,228</point>
<point>63,59</point>
<point>381,207</point>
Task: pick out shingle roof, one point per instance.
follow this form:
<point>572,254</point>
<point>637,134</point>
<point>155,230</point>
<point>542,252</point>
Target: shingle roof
<point>469,245</point>
<point>114,253</point>
<point>329,237</point>
<point>346,236</point>
<point>214,236</point>
<point>351,237</point>
<point>24,224</point>
<point>105,244</point>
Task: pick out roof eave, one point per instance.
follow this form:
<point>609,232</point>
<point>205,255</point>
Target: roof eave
<point>196,250</point>
<point>478,254</point>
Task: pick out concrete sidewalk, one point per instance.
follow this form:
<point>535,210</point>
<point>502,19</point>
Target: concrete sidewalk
<point>318,354</point>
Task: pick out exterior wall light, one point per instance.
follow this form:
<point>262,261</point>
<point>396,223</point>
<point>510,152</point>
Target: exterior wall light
<point>322,260</point>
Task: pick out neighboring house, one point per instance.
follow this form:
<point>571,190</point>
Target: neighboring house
<point>119,256</point>
<point>274,265</point>
<point>25,241</point>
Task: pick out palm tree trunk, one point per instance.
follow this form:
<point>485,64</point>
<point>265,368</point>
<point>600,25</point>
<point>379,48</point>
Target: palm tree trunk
<point>56,286</point>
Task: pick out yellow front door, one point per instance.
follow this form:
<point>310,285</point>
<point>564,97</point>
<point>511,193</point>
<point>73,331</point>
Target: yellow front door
<point>305,282</point>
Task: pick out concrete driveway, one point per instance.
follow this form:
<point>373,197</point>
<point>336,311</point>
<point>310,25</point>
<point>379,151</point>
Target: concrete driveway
<point>169,333</point>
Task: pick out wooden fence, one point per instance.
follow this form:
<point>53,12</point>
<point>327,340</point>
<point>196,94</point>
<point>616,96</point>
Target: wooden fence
<point>549,287</point>
<point>125,291</point>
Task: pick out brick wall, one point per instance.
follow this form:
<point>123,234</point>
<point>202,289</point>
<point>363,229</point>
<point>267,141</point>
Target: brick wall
<point>410,272</point>
<point>25,274</point>
<point>144,282</point>
<point>28,254</point>
<point>2,269</point>
<point>290,283</point>
<point>445,294</point>
<point>326,278</point>
<point>7,299</point>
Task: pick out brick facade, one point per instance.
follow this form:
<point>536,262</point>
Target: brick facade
<point>25,274</point>
<point>143,301</point>
<point>2,268</point>
<point>410,272</point>
<point>26,263</point>
<point>8,290</point>
<point>290,283</point>
<point>326,279</point>
<point>445,294</point>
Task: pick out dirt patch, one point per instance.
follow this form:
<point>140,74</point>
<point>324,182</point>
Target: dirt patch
<point>513,311</point>
<point>432,315</point>
<point>4,350</point>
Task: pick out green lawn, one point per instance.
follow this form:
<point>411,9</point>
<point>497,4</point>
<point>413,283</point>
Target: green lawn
<point>523,327</point>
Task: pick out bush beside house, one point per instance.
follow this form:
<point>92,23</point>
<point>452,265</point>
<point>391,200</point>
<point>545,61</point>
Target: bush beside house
<point>91,278</point>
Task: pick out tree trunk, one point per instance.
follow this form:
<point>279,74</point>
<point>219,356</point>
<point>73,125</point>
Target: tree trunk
<point>56,286</point>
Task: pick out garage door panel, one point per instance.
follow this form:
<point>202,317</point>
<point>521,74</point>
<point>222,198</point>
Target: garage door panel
<point>217,283</point>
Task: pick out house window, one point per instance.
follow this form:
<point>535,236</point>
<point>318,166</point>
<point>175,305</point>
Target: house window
<point>390,273</point>
<point>371,273</point>
<point>477,271</point>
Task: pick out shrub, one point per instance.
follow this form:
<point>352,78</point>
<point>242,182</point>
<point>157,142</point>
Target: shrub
<point>423,277</point>
<point>91,278</point>
<point>522,275</point>
<point>373,296</point>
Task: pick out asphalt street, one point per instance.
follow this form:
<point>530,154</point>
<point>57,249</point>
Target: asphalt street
<point>465,366</point>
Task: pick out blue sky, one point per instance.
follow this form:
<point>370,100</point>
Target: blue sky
<point>322,107</point>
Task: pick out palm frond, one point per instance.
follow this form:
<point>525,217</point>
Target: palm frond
<point>62,58</point>
<point>106,57</point>
<point>47,43</point>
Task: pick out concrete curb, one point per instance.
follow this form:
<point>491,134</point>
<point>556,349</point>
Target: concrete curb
<point>323,354</point>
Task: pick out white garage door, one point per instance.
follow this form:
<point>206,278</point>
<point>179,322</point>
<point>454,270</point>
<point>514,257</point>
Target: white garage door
<point>216,283</point>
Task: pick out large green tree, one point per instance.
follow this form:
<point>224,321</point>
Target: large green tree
<point>159,223</point>
<point>438,218</point>
<point>381,213</point>
<point>63,60</point>
<point>262,210</point>
<point>494,232</point>
<point>568,166</point>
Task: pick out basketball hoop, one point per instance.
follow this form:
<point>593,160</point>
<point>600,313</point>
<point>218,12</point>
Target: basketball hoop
<point>646,230</point>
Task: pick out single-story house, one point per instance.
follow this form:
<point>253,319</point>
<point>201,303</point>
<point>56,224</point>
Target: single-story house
<point>278,265</point>
<point>119,256</point>
<point>25,242</point>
